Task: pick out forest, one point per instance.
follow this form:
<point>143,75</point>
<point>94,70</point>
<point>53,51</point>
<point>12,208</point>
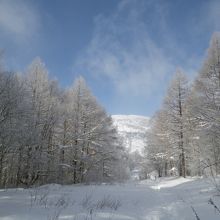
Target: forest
<point>184,138</point>
<point>53,135</point>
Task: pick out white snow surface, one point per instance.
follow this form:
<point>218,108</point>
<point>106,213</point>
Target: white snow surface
<point>165,199</point>
<point>132,129</point>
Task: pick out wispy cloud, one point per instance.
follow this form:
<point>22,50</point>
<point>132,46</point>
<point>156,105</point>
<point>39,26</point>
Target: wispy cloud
<point>137,48</point>
<point>18,19</point>
<point>123,50</point>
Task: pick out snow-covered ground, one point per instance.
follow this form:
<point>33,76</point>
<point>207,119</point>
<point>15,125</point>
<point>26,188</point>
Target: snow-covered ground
<point>132,129</point>
<point>168,199</point>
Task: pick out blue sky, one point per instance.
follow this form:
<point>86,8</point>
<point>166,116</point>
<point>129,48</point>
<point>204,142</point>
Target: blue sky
<point>127,50</point>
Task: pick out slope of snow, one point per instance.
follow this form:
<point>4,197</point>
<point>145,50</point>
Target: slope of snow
<point>129,201</point>
<point>132,129</point>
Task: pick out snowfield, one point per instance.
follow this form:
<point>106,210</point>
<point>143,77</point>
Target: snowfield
<point>167,198</point>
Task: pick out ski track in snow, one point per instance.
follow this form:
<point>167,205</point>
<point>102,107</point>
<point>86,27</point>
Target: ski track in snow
<point>163,199</point>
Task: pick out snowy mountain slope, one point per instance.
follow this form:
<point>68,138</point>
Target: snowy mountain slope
<point>132,129</point>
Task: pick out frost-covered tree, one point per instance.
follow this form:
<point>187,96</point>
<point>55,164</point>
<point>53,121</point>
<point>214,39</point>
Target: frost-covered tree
<point>166,139</point>
<point>88,141</point>
<point>10,103</point>
<point>205,107</point>
<point>174,104</point>
<point>40,120</point>
<point>158,149</point>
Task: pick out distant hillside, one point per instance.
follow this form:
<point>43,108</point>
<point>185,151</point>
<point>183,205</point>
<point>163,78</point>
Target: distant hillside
<point>132,129</point>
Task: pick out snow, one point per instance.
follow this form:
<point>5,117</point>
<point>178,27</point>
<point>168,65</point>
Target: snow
<point>170,182</point>
<point>132,129</point>
<point>165,199</point>
<point>131,123</point>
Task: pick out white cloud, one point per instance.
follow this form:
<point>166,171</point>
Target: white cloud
<point>18,18</point>
<point>123,51</point>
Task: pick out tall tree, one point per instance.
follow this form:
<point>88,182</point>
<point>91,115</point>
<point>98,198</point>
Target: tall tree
<point>41,116</point>
<point>205,106</point>
<point>158,150</point>
<point>167,140</point>
<point>10,100</point>
<point>175,105</point>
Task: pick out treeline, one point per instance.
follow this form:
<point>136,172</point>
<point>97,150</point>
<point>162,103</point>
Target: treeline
<point>52,135</point>
<point>184,138</point>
